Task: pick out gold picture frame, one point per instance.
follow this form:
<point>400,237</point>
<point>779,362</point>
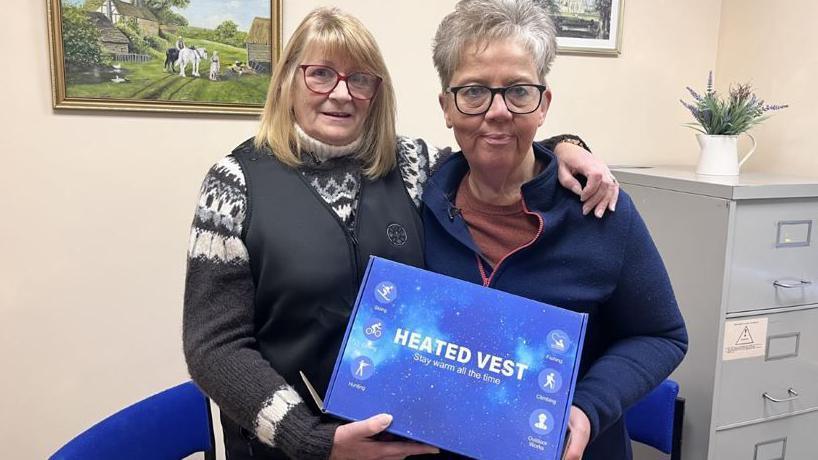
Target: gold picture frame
<point>96,32</point>
<point>588,28</point>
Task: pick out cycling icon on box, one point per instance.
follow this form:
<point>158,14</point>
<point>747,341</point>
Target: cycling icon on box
<point>374,328</point>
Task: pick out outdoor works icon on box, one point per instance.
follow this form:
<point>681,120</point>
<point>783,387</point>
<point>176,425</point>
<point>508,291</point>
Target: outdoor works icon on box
<point>466,368</point>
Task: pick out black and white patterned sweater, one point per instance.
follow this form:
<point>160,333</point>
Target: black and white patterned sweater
<point>218,311</point>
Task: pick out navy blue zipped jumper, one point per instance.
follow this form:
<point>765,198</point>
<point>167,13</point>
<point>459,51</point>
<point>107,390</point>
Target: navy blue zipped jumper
<point>608,268</point>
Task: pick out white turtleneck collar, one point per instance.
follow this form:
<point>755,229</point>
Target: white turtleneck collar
<point>323,151</point>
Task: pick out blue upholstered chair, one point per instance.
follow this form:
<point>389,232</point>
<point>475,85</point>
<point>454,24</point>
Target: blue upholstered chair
<point>656,420</point>
<point>169,425</point>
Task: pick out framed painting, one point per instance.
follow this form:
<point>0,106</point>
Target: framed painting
<point>587,26</point>
<point>189,56</point>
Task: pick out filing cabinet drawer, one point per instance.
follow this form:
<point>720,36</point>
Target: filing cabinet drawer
<point>788,368</point>
<point>791,438</point>
<point>775,255</point>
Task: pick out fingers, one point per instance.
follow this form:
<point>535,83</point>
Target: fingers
<point>355,440</point>
<point>398,449</point>
<point>608,201</point>
<point>567,179</point>
<point>595,179</point>
<point>614,197</point>
<point>369,427</point>
<point>600,194</point>
<point>593,194</point>
<point>576,447</point>
<point>574,452</point>
<point>601,190</point>
<point>386,437</point>
<point>594,201</point>
<point>580,428</point>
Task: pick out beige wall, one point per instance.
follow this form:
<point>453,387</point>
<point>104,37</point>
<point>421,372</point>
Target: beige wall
<point>772,45</point>
<point>96,207</point>
<point>627,107</point>
<point>92,247</point>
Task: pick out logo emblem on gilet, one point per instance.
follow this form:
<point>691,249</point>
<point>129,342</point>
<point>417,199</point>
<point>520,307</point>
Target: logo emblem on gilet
<point>396,234</point>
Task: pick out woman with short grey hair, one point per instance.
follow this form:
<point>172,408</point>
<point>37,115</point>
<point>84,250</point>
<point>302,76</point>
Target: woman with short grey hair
<point>491,20</point>
<point>499,197</point>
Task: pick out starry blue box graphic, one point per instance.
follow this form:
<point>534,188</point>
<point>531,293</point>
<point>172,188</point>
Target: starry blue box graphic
<point>466,368</point>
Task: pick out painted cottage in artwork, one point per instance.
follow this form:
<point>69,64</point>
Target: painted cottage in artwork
<point>118,10</point>
<point>111,39</point>
<point>258,43</point>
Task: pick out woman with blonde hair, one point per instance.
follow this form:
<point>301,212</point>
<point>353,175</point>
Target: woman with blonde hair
<point>283,230</point>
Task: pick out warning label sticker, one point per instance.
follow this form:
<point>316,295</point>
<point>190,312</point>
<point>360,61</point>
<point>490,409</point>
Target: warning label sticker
<point>744,338</point>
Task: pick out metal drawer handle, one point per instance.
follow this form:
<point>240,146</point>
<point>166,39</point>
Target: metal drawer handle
<point>791,284</point>
<point>791,398</point>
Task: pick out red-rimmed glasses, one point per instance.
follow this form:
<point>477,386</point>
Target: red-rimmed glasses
<point>323,80</point>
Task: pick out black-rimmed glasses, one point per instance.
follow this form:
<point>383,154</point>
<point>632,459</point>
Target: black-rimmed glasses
<point>477,99</point>
<point>323,80</point>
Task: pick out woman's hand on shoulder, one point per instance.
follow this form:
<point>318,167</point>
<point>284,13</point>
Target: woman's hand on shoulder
<point>355,441</point>
<point>601,189</point>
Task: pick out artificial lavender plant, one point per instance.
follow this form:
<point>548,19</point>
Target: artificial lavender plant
<point>730,117</point>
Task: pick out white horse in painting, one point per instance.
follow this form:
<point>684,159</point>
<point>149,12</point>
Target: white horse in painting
<point>190,56</point>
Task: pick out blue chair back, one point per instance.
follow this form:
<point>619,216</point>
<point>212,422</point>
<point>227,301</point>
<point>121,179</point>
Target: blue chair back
<point>169,425</point>
<point>656,420</point>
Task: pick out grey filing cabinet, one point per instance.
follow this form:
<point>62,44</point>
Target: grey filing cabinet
<point>741,252</point>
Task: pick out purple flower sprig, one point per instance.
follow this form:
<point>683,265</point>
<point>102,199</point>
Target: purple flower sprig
<point>738,113</point>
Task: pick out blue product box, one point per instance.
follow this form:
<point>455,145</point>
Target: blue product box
<point>466,368</point>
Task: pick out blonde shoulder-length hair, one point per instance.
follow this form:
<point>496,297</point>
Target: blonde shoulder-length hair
<point>335,33</point>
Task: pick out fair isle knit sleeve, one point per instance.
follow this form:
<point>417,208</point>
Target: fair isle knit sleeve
<point>218,333</point>
<point>417,161</point>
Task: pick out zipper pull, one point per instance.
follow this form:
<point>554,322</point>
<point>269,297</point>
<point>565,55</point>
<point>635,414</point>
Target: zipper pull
<point>354,239</point>
<point>453,212</point>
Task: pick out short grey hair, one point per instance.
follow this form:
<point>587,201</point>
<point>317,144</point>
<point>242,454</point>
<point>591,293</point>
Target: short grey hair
<point>480,22</point>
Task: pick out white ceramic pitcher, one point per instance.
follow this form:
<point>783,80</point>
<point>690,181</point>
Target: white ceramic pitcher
<point>719,154</point>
